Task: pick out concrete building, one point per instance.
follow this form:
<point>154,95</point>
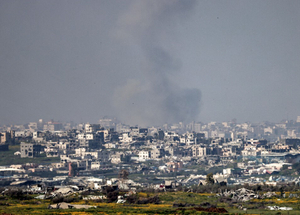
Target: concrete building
<point>199,151</point>
<point>157,153</point>
<point>7,137</point>
<point>144,155</point>
<point>53,126</point>
<point>30,150</point>
<point>91,128</point>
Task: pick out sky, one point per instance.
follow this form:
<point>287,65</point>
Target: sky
<point>149,62</point>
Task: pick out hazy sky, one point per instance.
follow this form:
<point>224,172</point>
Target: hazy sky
<point>149,62</point>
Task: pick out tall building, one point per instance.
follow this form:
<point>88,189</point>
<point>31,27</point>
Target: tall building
<point>7,137</point>
<point>30,150</point>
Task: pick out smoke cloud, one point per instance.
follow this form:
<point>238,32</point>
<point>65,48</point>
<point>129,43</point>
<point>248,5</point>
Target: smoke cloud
<point>153,98</point>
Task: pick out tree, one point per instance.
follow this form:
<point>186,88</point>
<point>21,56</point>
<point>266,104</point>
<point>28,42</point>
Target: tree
<point>111,194</point>
<point>123,174</point>
<point>126,158</point>
<point>74,170</point>
<point>132,199</point>
<point>210,178</point>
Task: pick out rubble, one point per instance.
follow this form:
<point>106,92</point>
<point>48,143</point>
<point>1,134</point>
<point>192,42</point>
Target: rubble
<point>94,198</point>
<point>64,191</point>
<point>64,205</point>
<point>276,208</point>
<point>241,194</point>
<point>40,197</point>
<point>121,200</point>
<point>269,194</point>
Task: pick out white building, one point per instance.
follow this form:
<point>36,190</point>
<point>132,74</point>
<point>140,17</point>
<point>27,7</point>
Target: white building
<point>144,155</point>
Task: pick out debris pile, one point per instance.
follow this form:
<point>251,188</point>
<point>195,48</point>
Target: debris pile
<point>241,194</point>
<point>276,208</point>
<point>269,195</point>
<point>94,197</point>
<point>64,205</point>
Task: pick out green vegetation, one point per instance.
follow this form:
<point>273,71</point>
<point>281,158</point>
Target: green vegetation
<point>210,178</point>
<point>169,203</point>
<point>8,157</point>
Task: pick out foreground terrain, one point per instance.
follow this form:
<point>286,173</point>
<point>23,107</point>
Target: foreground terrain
<point>169,203</point>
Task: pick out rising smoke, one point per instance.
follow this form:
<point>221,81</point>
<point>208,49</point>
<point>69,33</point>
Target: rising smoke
<point>154,98</point>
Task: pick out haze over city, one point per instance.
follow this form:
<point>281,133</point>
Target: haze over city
<point>149,62</point>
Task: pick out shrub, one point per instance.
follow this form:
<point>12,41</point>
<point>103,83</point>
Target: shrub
<point>154,200</point>
<point>57,199</point>
<point>131,199</point>
<point>151,200</point>
<point>112,196</point>
<point>68,199</point>
<point>17,194</point>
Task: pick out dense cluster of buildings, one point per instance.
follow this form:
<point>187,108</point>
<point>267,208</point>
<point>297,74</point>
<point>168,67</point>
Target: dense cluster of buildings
<point>253,149</point>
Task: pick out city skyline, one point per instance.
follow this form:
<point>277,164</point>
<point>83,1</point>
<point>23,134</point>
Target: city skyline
<point>114,122</point>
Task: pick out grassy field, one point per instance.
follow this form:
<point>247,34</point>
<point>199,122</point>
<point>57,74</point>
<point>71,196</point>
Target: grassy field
<point>10,205</point>
<point>8,157</point>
